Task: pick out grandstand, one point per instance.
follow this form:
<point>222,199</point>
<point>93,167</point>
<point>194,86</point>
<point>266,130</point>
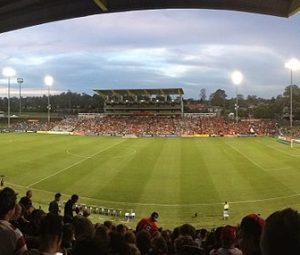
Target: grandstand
<point>143,102</point>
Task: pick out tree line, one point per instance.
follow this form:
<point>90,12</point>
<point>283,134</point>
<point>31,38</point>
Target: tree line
<point>65,103</point>
<point>249,106</point>
<point>253,106</point>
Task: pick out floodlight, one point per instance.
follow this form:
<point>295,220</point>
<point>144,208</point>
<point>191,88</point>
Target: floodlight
<point>48,80</point>
<point>293,64</point>
<point>8,72</point>
<point>237,77</point>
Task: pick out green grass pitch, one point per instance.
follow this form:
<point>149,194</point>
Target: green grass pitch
<point>174,176</point>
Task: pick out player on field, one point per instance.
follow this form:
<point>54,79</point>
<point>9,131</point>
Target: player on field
<point>226,211</point>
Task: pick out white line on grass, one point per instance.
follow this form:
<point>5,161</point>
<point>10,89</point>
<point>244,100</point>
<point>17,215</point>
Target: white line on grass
<point>77,155</point>
<point>244,155</point>
<point>284,152</point>
<point>131,153</point>
<point>277,169</point>
<point>165,205</point>
<point>258,165</point>
<point>74,164</point>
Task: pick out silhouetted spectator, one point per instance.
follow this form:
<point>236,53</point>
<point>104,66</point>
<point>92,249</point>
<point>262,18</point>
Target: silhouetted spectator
<point>250,233</point>
<point>281,234</point>
<point>53,206</point>
<point>12,240</point>
<point>50,235</point>
<point>70,208</point>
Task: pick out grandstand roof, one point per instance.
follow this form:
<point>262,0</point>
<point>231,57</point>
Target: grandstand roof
<point>136,92</point>
<point>15,14</point>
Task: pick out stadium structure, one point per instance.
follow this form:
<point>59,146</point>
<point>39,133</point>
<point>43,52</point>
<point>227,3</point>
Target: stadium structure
<point>143,102</point>
<point>186,180</point>
<point>16,14</point>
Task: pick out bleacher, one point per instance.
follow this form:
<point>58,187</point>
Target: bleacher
<point>143,102</point>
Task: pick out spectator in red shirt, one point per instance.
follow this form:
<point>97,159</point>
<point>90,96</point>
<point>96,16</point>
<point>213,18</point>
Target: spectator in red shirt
<point>12,240</point>
<point>148,224</point>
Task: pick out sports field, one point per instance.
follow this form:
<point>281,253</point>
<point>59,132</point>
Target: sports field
<point>174,176</point>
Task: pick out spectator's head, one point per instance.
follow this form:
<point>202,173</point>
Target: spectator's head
<point>187,230</point>
<point>183,241</point>
<point>110,226</point>
<point>122,229</point>
<point>160,245</point>
<point>143,241</point>
<point>8,199</point>
<point>129,237</point>
<point>116,242</point>
<point>102,238</point>
<point>74,198</point>
<point>51,233</point>
<point>29,194</point>
<point>228,236</point>
<point>83,227</point>
<point>57,196</point>
<point>154,216</point>
<point>249,234</point>
<point>281,234</point>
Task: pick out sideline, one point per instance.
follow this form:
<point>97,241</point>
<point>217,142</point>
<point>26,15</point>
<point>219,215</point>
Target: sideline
<point>164,205</point>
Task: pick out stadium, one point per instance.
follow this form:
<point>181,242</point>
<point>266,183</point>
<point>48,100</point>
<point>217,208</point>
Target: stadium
<point>148,152</point>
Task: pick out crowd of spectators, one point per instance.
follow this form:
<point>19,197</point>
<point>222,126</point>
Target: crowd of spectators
<point>26,230</point>
<point>165,126</point>
<point>153,126</point>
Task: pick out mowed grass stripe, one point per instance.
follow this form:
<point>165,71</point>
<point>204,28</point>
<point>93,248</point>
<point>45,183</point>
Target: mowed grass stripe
<point>222,169</point>
<point>130,179</point>
<point>197,185</point>
<point>80,177</point>
<point>163,186</point>
<point>262,181</point>
<point>195,175</point>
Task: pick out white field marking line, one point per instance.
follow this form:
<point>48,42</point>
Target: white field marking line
<point>77,155</point>
<point>133,152</point>
<point>277,169</point>
<point>253,162</point>
<point>74,164</point>
<point>165,205</point>
<point>284,152</point>
<point>265,169</point>
<point>244,155</point>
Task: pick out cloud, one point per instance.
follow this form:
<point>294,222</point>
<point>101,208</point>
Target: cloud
<point>192,49</point>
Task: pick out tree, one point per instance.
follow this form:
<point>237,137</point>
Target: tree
<point>218,98</point>
<point>202,95</point>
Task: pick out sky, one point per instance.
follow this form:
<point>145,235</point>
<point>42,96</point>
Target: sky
<point>191,49</point>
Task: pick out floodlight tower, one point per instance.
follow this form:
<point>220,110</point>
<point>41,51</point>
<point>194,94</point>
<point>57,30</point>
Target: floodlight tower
<point>237,78</point>
<point>9,73</point>
<point>293,65</point>
<point>48,80</point>
<point>20,81</point>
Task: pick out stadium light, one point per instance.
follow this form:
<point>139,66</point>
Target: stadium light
<point>48,80</point>
<point>237,78</point>
<point>20,81</point>
<point>293,65</point>
<point>8,72</point>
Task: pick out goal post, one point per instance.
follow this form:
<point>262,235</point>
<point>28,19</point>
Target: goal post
<point>295,143</point>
